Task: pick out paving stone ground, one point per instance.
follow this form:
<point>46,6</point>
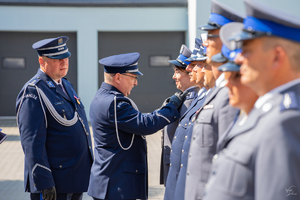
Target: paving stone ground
<point>12,165</point>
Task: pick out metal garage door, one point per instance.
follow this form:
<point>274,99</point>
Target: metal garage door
<point>19,62</point>
<point>155,47</point>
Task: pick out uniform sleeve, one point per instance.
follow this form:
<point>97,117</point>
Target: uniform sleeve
<point>32,127</point>
<point>132,121</point>
<point>277,172</point>
<point>226,113</point>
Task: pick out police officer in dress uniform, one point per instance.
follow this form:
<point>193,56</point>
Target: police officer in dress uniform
<point>183,83</point>
<point>181,140</point>
<point>54,131</point>
<point>120,167</point>
<point>240,96</point>
<point>213,118</point>
<point>261,157</point>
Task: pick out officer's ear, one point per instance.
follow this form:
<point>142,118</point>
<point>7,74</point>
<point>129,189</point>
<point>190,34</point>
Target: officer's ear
<point>118,78</point>
<point>41,61</point>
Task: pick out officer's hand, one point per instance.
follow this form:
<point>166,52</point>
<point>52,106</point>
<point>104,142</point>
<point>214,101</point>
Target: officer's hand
<point>165,103</point>
<point>49,193</point>
<point>177,98</point>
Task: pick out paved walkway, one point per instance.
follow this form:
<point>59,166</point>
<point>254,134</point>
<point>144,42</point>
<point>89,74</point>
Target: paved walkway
<point>12,165</point>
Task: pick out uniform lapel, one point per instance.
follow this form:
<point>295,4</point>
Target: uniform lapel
<point>194,103</point>
<point>211,95</point>
<point>51,84</point>
<point>69,91</point>
<point>224,137</point>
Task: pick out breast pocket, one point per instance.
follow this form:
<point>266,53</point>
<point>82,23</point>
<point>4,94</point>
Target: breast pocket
<point>64,111</point>
<point>235,174</point>
<point>204,124</point>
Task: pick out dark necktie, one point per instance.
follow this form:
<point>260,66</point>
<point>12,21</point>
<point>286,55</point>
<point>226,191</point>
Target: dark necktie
<point>59,85</point>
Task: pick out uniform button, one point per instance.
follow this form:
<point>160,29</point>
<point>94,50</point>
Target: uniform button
<point>215,157</point>
<point>171,151</point>
<point>182,151</point>
<point>87,134</point>
<point>136,171</point>
<point>185,137</point>
<point>202,118</point>
<point>194,118</point>
<point>190,155</point>
<point>90,147</point>
<point>188,173</point>
<point>179,125</point>
<point>60,166</point>
<point>235,152</point>
<point>181,165</point>
<point>189,123</point>
<point>175,117</point>
<point>175,138</point>
<point>170,164</point>
<point>185,124</point>
<point>194,137</point>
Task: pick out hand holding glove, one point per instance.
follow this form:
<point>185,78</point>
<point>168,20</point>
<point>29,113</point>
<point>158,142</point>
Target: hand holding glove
<point>49,193</point>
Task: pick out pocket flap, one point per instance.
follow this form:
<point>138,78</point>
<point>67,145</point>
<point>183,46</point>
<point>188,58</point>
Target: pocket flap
<point>135,168</point>
<point>167,159</point>
<point>61,162</point>
<point>205,116</point>
<point>240,153</point>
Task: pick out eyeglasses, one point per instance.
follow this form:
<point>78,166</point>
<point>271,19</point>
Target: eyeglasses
<point>135,77</point>
<point>210,36</point>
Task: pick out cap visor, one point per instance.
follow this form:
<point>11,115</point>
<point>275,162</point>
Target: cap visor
<point>175,62</point>
<point>137,73</point>
<point>208,27</point>
<point>242,36</point>
<point>192,58</point>
<point>201,58</point>
<point>229,67</point>
<point>219,58</point>
<point>61,56</point>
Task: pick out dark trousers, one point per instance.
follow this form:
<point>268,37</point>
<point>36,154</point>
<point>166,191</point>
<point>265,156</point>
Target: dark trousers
<point>59,196</point>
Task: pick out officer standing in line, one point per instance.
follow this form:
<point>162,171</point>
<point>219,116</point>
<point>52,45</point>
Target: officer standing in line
<point>240,96</point>
<point>261,159</point>
<point>180,145</point>
<point>54,130</point>
<point>216,114</point>
<point>120,167</point>
<point>183,83</point>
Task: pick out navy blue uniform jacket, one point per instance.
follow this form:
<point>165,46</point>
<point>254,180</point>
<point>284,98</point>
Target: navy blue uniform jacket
<point>55,155</point>
<point>117,173</point>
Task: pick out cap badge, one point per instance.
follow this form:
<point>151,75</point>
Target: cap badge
<point>181,49</point>
<point>60,41</point>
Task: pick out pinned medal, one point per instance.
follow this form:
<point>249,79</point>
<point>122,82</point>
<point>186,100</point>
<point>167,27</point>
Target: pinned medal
<point>77,99</point>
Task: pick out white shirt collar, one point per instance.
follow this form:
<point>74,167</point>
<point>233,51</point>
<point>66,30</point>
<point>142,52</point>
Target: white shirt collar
<point>220,80</point>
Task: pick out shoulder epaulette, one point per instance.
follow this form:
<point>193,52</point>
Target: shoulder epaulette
<point>33,81</point>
